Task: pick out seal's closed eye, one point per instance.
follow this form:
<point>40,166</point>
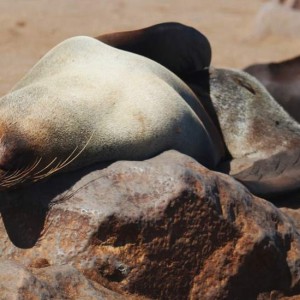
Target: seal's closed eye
<point>245,85</point>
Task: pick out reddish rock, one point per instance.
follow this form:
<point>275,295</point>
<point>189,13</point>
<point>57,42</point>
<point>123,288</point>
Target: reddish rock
<point>166,228</point>
<point>59,282</point>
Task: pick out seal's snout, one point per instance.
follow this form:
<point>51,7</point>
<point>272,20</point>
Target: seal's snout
<point>17,162</point>
<point>15,154</point>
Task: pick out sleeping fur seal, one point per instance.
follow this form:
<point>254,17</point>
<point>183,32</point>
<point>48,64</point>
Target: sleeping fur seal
<point>87,102</point>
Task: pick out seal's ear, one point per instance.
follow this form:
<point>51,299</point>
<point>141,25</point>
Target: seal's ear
<point>179,48</point>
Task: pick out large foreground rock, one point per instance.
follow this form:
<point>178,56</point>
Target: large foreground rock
<point>166,228</point>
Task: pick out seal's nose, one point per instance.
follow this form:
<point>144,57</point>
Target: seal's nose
<point>12,153</point>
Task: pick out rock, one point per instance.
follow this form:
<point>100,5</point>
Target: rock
<point>294,214</point>
<point>58,282</point>
<point>165,228</point>
<point>18,283</point>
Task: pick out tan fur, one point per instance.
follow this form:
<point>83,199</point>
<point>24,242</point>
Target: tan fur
<point>113,104</point>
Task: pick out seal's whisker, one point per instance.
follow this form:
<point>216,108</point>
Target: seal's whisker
<point>64,163</point>
<point>20,175</point>
<point>14,174</point>
<point>41,176</point>
<point>23,171</point>
<point>88,141</point>
<point>68,158</point>
<point>3,174</point>
<point>46,166</point>
<point>58,167</point>
<point>13,181</point>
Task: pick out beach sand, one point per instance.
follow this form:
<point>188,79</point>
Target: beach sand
<point>29,28</point>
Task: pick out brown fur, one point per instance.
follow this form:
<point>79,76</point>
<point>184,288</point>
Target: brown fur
<point>180,48</point>
<point>282,80</point>
<point>263,140</point>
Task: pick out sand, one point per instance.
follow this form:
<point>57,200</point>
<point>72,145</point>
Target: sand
<point>29,28</point>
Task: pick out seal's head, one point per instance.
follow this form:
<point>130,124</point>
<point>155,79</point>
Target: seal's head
<point>263,140</point>
<point>252,122</point>
<point>23,158</point>
<point>18,159</point>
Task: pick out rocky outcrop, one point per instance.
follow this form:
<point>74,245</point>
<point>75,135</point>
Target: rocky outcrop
<point>165,228</point>
<point>57,282</point>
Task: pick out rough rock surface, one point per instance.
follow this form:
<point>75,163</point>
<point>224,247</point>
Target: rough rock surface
<point>165,228</point>
<point>57,282</point>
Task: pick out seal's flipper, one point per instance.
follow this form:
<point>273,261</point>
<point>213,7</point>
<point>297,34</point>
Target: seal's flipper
<point>179,48</point>
<point>272,177</point>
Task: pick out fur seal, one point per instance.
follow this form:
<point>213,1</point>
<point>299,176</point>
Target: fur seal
<point>87,102</point>
<point>262,139</point>
<point>282,80</point>
<point>179,48</point>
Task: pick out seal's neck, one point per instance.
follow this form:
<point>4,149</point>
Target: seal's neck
<point>199,84</point>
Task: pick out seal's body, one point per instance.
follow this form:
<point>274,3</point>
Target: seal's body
<point>85,96</point>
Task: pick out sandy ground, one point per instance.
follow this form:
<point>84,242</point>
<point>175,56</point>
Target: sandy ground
<point>29,28</point>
